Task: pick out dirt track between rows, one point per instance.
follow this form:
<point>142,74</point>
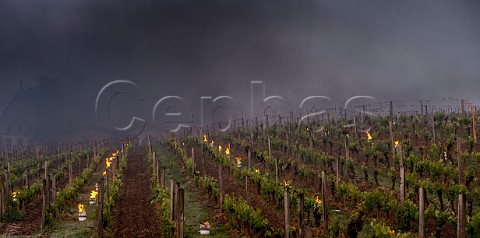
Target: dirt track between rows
<point>135,215</point>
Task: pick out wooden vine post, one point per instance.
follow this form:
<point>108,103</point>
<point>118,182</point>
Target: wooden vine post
<point>232,160</point>
<point>38,160</point>
<point>95,153</point>
<point>203,166</point>
<point>80,166</point>
<point>337,181</point>
<point>2,196</point>
<point>433,128</point>
<point>107,183</point>
<point>301,219</point>
<point>461,197</point>
<point>193,161</point>
<point>391,130</point>
<point>474,122</point>
<point>172,200</point>
<point>44,203</point>
<point>247,188</point>
<point>324,201</point>
<point>54,188</point>
<point>8,185</point>
<point>164,180</point>
<point>150,144</point>
<point>421,108</point>
<point>276,160</point>
<point>114,169</point>
<point>421,208</point>
<point>157,169</point>
<point>27,182</point>
<point>100,209</point>
<point>249,157</point>
<point>402,174</point>
<point>287,212</point>
<point>70,173</point>
<point>347,155</point>
<point>154,162</point>
<point>179,209</point>
<point>220,185</point>
<point>47,190</point>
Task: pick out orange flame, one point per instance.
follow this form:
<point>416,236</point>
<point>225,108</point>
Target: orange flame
<point>227,151</point>
<point>205,223</point>
<point>14,194</point>
<point>318,200</point>
<point>104,173</point>
<point>219,148</point>
<point>205,138</point>
<point>285,184</point>
<point>396,143</point>
<point>93,194</point>
<point>391,232</point>
<point>107,162</point>
<point>257,171</point>
<point>239,160</point>
<point>81,207</point>
<point>369,136</point>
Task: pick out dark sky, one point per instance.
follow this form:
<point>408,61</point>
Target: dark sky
<point>391,50</point>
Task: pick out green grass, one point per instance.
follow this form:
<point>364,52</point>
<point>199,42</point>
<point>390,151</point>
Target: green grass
<point>195,212</point>
<point>74,229</point>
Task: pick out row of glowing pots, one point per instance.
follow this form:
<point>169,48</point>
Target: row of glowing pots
<point>82,213</point>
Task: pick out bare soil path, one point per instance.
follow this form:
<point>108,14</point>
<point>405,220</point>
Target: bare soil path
<point>135,215</point>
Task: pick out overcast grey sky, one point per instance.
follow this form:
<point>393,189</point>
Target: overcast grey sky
<point>391,50</point>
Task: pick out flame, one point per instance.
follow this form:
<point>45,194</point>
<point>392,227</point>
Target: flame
<point>104,173</point>
<point>239,160</point>
<point>107,162</point>
<point>285,184</point>
<point>219,148</point>
<point>318,200</point>
<point>81,207</point>
<point>93,194</point>
<point>391,232</point>
<point>212,143</point>
<point>369,136</point>
<point>257,171</point>
<point>205,138</point>
<point>205,223</point>
<point>227,151</point>
<point>396,143</point>
<point>14,194</point>
<point>308,129</point>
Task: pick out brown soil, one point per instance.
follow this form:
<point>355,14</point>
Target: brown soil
<point>135,215</point>
<point>30,223</point>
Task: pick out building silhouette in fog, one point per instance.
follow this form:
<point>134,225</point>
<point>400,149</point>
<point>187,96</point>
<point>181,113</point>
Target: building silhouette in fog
<point>31,117</point>
<point>42,115</point>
